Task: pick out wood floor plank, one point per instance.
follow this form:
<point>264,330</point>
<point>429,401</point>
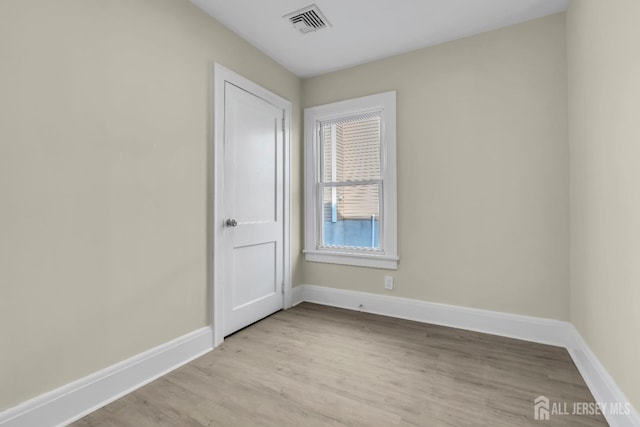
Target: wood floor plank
<point>321,366</point>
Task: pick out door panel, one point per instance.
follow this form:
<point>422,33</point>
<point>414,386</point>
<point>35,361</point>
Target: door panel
<point>253,197</point>
<point>253,282</point>
<point>256,163</point>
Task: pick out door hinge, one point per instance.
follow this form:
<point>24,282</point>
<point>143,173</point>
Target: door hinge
<point>283,125</point>
<point>282,288</point>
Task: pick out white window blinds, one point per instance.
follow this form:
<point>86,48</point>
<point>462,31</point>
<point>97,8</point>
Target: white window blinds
<point>351,167</point>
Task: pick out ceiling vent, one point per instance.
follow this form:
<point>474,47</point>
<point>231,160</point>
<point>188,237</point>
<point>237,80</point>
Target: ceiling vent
<point>308,19</point>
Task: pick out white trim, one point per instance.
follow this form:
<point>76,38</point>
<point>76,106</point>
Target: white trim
<point>287,208</point>
<point>220,76</point>
<point>602,386</point>
<point>79,398</point>
<point>347,258</point>
<point>382,102</point>
<point>297,295</point>
<point>533,329</point>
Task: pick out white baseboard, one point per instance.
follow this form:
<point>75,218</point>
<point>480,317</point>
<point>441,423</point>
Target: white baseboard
<point>72,401</point>
<point>297,294</point>
<point>79,398</point>
<point>534,329</point>
<point>602,386</point>
<point>545,331</point>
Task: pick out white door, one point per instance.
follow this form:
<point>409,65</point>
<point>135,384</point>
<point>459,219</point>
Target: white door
<point>252,208</point>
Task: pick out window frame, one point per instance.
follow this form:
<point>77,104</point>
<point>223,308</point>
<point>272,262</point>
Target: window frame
<point>387,255</point>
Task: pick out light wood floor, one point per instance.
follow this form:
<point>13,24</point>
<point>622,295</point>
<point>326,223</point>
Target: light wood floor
<point>320,366</point>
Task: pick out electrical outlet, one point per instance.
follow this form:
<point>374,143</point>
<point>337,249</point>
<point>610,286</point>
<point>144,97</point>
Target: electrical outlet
<point>388,282</point>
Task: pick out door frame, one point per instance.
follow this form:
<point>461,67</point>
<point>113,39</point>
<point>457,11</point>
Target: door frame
<point>216,263</point>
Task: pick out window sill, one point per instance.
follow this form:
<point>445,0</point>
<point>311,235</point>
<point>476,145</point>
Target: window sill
<point>361,260</point>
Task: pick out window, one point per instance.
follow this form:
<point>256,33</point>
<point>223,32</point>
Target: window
<point>350,182</point>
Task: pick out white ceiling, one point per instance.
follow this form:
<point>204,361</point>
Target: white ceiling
<point>366,30</point>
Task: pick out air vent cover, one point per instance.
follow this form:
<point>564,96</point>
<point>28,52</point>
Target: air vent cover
<point>308,19</point>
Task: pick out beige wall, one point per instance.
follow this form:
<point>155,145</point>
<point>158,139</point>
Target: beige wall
<point>604,134</point>
<point>482,170</point>
<point>104,115</point>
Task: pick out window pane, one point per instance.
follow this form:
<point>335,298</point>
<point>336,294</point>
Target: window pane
<point>351,216</point>
<point>351,148</point>
<point>329,172</point>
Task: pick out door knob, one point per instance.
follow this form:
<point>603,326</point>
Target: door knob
<point>231,222</point>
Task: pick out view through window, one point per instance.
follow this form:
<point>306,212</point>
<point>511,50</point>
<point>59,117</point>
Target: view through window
<point>351,181</point>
